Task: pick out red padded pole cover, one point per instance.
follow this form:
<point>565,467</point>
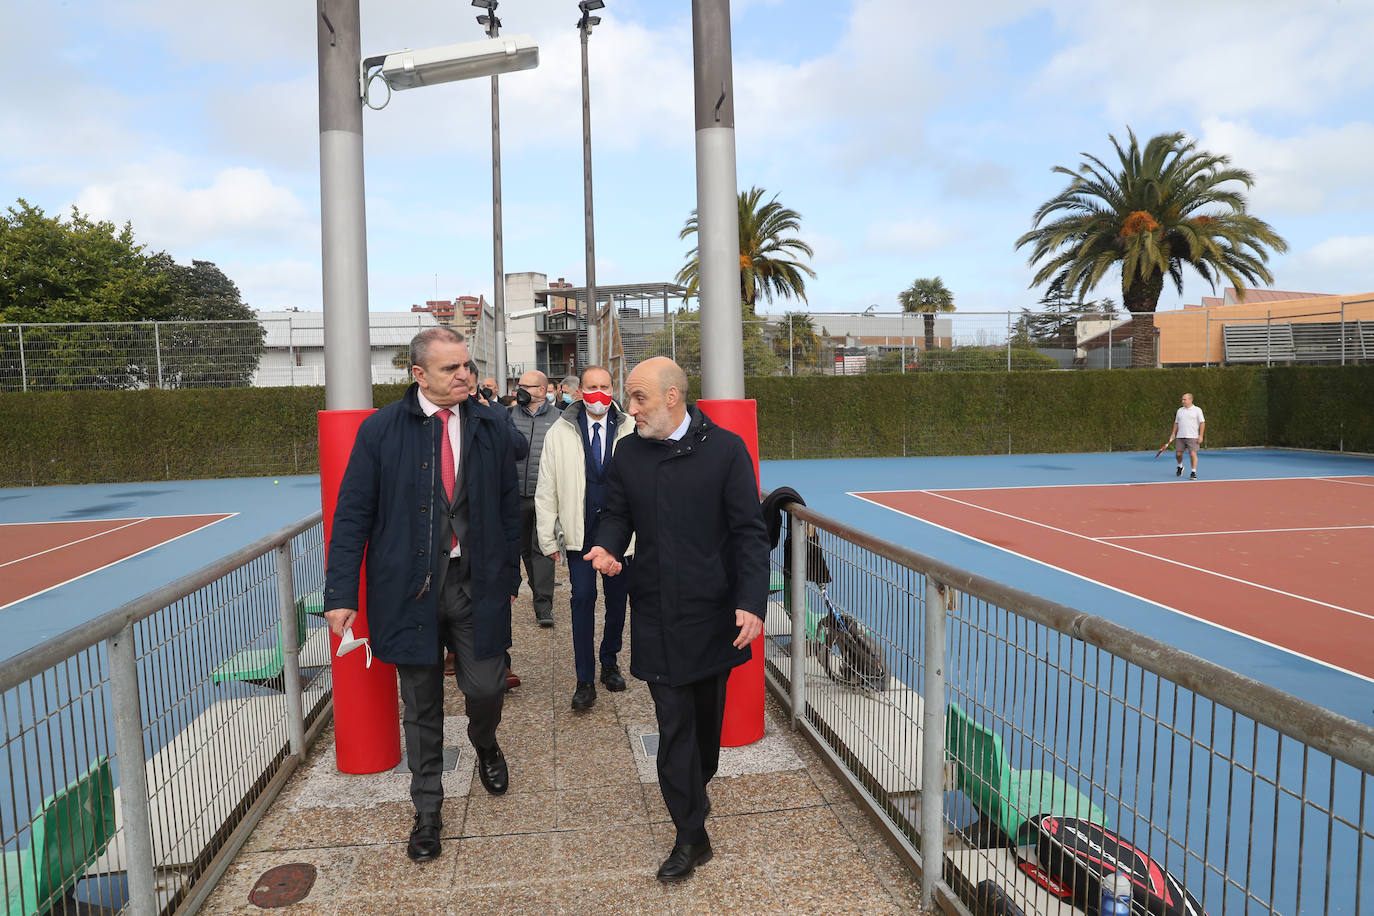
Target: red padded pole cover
<point>367,729</point>
<point>744,693</point>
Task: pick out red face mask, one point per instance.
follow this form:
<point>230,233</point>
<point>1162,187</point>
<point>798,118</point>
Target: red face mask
<point>600,398</point>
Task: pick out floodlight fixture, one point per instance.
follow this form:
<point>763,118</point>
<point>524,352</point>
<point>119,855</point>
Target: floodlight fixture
<point>409,69</point>
<point>486,4</point>
<point>586,6</point>
<point>528,313</point>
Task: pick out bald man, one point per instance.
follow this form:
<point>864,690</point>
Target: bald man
<point>685,489</point>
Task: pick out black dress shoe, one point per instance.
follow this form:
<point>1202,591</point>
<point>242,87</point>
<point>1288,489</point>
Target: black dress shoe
<point>584,696</point>
<point>424,837</point>
<point>612,678</point>
<point>492,770</point>
<point>545,619</point>
<point>683,860</point>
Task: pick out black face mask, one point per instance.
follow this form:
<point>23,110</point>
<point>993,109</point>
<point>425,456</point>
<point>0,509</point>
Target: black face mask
<point>522,397</point>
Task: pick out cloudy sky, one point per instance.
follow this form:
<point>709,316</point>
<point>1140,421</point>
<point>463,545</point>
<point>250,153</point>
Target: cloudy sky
<point>915,138</point>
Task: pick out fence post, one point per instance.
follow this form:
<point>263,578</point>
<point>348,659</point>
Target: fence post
<point>291,640</point>
<point>791,347</point>
<point>23,366</point>
<point>133,777</point>
<point>933,746</point>
<point>902,328</point>
<point>1207,339</point>
<point>1342,332</point>
<point>1268,337</point>
<point>157,349</point>
<point>1008,341</point>
<point>1109,343</point>
<point>672,335</point>
<point>796,564</point>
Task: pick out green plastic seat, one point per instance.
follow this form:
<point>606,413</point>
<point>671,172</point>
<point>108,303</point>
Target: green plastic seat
<point>264,666</point>
<point>69,830</point>
<point>1006,797</point>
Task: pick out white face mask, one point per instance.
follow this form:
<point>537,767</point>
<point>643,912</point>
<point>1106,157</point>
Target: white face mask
<point>596,410</point>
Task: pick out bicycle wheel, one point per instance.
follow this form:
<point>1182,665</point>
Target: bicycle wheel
<point>834,650</point>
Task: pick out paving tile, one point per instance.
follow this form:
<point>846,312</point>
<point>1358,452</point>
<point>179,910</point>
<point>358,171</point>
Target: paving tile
<point>758,792</point>
<point>608,850</point>
<point>507,859</point>
<point>601,806</point>
<point>531,899</point>
<point>527,812</point>
<point>611,895</point>
<point>316,827</point>
<point>386,869</point>
<point>334,873</point>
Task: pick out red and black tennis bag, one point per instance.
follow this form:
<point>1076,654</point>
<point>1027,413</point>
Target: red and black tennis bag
<point>1079,853</point>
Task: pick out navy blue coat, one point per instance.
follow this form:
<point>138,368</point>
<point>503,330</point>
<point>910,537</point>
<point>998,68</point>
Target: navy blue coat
<point>701,549</point>
<point>389,509</point>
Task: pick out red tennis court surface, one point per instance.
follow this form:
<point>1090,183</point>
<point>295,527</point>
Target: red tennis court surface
<point>36,557</point>
<point>1289,562</point>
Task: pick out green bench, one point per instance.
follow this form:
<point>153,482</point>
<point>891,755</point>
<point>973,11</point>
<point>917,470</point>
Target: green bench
<point>1008,798</point>
<point>265,666</point>
<point>69,830</point>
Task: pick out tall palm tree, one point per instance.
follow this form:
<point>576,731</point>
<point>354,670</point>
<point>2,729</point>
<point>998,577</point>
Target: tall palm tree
<point>927,295</point>
<point>1165,206</point>
<point>797,339</point>
<point>766,252</point>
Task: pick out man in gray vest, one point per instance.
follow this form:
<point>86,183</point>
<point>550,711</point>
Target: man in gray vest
<point>532,416</point>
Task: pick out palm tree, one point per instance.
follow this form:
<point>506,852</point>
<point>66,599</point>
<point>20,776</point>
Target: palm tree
<point>927,295</point>
<point>766,252</point>
<point>1164,208</point>
<point>798,340</point>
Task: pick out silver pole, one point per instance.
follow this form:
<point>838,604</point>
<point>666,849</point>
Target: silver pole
<point>290,648</point>
<point>133,775</point>
<point>23,365</point>
<point>1109,343</point>
<point>589,230</point>
<point>933,747</point>
<point>796,563</point>
<point>498,299</point>
<point>157,349</point>
<point>1008,341</point>
<point>902,325</point>
<point>722,333</point>
<point>1342,332</point>
<point>1207,338</point>
<point>791,346</point>
<point>343,216</point>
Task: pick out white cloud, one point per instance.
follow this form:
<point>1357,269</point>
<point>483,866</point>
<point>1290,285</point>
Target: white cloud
<point>1220,58</point>
<point>239,205</point>
<point>907,237</point>
<point>1312,170</point>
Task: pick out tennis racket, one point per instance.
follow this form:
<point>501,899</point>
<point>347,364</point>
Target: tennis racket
<point>1163,447</point>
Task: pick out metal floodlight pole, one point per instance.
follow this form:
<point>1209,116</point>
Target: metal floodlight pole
<point>498,298</point>
<point>722,334</point>
<point>584,26</point>
<point>343,217</point>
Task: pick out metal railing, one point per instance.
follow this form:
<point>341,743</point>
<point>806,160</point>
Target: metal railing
<point>142,746</point>
<point>1254,800</point>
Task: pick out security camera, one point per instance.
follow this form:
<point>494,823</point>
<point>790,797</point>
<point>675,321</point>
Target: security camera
<point>408,69</point>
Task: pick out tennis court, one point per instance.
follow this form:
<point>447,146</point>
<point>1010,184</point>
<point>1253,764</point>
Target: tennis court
<point>1262,566</point>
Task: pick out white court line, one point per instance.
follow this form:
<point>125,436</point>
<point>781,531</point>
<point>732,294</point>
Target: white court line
<point>1188,534</point>
<point>1178,563</point>
<point>89,537</point>
<point>1121,591</point>
<point>1349,478</point>
<point>77,521</point>
<point>226,517</point>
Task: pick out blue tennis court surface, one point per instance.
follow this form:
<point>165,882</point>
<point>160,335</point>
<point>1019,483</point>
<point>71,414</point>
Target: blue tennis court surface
<point>826,487</point>
<point>262,506</point>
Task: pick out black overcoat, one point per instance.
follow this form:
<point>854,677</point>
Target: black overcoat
<point>701,549</point>
<point>389,508</point>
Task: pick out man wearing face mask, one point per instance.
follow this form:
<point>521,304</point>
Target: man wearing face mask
<point>567,392</point>
<point>533,416</point>
<point>577,455</point>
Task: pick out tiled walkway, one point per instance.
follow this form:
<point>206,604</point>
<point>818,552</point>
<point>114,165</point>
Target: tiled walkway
<point>583,827</point>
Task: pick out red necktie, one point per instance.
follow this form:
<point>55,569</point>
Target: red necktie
<point>446,468</point>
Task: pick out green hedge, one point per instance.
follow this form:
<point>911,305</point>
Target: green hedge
<point>91,436</point>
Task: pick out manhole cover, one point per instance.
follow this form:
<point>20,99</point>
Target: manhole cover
<point>283,885</point>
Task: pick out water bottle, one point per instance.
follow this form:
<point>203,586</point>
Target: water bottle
<point>1116,895</point>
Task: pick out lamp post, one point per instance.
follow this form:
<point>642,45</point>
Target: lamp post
<point>584,27</point>
<point>489,21</point>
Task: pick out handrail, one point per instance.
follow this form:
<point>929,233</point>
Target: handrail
<point>33,661</point>
<point>1322,729</point>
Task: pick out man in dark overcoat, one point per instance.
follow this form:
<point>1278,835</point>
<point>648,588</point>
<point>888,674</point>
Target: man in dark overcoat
<point>685,488</point>
<point>429,497</point>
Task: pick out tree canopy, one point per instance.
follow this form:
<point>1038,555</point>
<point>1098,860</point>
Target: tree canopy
<point>92,293</point>
<point>1158,209</point>
<point>927,295</point>
<point>767,252</point>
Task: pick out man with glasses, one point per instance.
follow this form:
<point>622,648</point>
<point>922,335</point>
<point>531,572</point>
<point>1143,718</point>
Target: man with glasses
<point>532,416</point>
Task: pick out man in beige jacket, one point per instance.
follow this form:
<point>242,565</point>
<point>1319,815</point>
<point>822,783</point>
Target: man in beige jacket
<point>578,450</point>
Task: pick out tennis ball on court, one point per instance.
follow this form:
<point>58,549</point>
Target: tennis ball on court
<point>275,482</point>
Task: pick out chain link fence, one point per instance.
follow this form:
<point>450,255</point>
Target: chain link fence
<point>289,351</point>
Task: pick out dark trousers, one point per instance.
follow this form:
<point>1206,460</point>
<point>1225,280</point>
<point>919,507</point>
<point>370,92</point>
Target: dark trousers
<point>483,682</point>
<point>538,568</point>
<point>582,577</point>
<point>689,721</point>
